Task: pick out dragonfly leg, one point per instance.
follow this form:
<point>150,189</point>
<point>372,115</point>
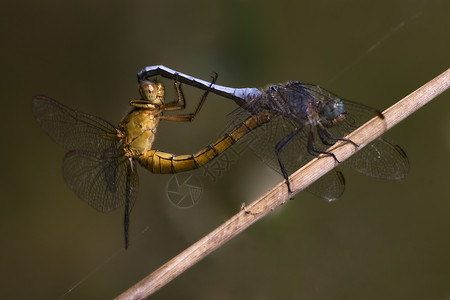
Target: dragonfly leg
<point>179,104</point>
<point>323,138</point>
<point>187,117</point>
<point>279,148</point>
<point>324,135</point>
<point>312,149</point>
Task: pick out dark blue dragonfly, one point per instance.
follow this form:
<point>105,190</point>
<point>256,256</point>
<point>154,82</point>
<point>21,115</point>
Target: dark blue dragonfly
<point>305,120</point>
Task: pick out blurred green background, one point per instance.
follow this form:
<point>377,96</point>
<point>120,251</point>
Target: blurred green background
<point>381,240</point>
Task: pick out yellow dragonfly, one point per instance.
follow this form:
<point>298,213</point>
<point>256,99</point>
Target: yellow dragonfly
<point>100,165</point>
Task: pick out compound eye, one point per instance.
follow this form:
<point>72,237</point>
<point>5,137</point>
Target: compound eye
<point>333,113</point>
<point>160,90</point>
<point>148,91</point>
<point>333,109</point>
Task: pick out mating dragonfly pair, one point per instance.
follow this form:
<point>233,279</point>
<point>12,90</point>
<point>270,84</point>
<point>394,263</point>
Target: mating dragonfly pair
<point>293,122</point>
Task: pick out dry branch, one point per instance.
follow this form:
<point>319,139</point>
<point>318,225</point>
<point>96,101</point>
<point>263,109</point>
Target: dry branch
<point>279,194</point>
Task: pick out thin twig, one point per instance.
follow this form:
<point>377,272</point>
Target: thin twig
<point>279,194</point>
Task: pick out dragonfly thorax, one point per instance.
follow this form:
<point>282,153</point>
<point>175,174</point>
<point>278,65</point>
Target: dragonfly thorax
<point>138,129</point>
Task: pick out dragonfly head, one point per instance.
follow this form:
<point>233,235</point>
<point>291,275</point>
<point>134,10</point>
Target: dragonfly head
<point>333,112</point>
<point>153,92</point>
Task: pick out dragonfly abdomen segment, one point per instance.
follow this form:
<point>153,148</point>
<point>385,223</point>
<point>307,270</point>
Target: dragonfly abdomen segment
<point>240,95</point>
<point>164,163</point>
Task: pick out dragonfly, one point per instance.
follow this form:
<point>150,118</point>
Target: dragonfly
<point>305,120</point>
<point>100,163</point>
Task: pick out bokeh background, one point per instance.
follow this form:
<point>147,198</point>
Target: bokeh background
<point>381,240</point>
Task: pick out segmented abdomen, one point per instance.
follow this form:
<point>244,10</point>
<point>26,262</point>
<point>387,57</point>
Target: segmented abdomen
<point>161,162</point>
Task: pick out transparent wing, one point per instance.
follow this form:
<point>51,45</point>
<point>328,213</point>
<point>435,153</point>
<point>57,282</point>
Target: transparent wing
<point>102,180</point>
<point>330,186</point>
<point>379,159</point>
<point>95,167</point>
<point>72,129</point>
<point>263,140</point>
